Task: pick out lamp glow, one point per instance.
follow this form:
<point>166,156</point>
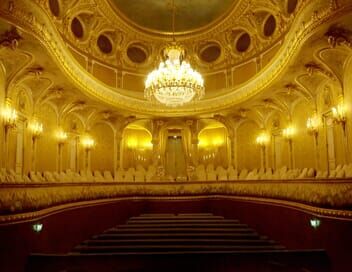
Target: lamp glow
<point>263,139</point>
<point>61,136</point>
<point>339,112</point>
<point>36,128</point>
<point>313,124</point>
<point>37,227</point>
<point>288,132</point>
<point>174,83</point>
<point>315,223</point>
<point>9,115</point>
<point>88,142</point>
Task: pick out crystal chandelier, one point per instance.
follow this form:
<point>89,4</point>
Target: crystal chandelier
<point>174,83</point>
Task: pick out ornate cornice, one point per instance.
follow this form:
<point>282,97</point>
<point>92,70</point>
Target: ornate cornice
<point>16,199</point>
<point>32,18</point>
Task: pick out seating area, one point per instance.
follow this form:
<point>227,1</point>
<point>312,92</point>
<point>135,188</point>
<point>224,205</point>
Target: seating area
<point>201,173</point>
<point>170,242</point>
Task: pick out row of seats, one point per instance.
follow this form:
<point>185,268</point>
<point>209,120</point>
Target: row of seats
<point>200,173</point>
<point>132,174</point>
<point>221,174</point>
<point>11,176</point>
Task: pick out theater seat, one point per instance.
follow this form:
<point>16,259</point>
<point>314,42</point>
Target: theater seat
<point>108,176</point>
<point>232,173</point>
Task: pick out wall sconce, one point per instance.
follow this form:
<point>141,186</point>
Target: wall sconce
<point>36,128</point>
<point>313,124</point>
<point>339,113</point>
<point>88,142</point>
<point>9,115</point>
<point>288,132</point>
<point>263,139</point>
<point>61,136</point>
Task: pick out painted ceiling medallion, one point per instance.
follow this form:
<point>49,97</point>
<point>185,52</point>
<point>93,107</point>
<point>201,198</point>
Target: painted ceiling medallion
<point>155,14</point>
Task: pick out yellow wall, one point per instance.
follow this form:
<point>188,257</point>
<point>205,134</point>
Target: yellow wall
<point>248,153</point>
<point>303,143</point>
<point>47,145</point>
<point>213,146</point>
<point>102,155</point>
<point>136,147</point>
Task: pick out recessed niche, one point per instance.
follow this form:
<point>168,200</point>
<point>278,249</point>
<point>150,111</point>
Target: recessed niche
<point>54,7</point>
<point>136,54</point>
<point>104,44</point>
<point>210,53</point>
<point>269,26</point>
<point>243,42</point>
<point>291,6</point>
<point>77,28</point>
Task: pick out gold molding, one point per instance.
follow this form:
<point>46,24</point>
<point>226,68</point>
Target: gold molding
<point>16,198</point>
<point>344,215</point>
<point>31,17</point>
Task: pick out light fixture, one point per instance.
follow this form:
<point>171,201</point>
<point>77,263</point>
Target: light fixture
<point>61,136</point>
<point>262,139</point>
<point>315,223</point>
<point>37,227</point>
<point>87,142</point>
<point>339,112</point>
<point>288,132</point>
<point>36,128</point>
<point>174,83</point>
<point>9,115</point>
<point>313,124</point>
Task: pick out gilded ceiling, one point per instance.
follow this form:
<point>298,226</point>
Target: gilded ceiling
<point>260,57</point>
<point>157,14</point>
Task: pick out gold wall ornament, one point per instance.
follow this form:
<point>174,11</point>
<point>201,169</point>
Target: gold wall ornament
<point>19,198</point>
<point>44,29</point>
<point>174,83</point>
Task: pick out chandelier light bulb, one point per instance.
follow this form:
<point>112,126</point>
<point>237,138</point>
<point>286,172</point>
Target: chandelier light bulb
<point>174,83</point>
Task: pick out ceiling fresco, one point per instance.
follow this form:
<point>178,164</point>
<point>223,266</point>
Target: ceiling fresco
<point>157,14</point>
